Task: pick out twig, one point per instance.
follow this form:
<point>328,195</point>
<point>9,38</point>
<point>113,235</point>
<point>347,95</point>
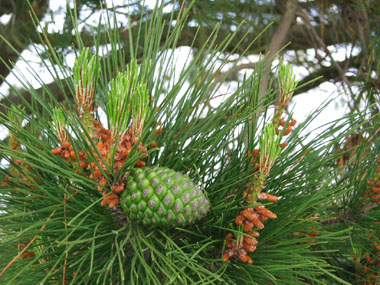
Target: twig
<point>67,253</point>
<point>322,43</point>
<point>221,76</point>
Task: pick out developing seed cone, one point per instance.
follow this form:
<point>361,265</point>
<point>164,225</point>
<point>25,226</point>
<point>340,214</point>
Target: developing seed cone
<point>159,196</point>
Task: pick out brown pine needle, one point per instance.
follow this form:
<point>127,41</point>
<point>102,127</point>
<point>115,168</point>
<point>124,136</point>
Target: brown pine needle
<point>25,248</point>
<point>67,253</point>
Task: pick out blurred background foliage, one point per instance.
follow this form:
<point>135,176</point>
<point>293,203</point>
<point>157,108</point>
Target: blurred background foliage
<point>330,41</point>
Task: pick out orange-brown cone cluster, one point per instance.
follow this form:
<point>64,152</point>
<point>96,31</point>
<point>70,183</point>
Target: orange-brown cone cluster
<point>288,129</point>
<point>370,270</point>
<point>249,218</point>
<point>374,185</point>
<point>97,170</point>
<point>254,217</point>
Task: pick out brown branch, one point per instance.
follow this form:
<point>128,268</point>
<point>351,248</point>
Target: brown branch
<point>6,7</point>
<point>294,34</point>
<point>18,33</point>
<point>325,74</point>
<point>276,43</point>
<point>322,43</point>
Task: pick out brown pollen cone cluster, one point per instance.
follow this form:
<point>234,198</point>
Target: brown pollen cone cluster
<point>252,218</point>
<point>288,129</point>
<point>97,170</point>
<point>249,218</point>
<point>374,185</point>
<point>371,267</point>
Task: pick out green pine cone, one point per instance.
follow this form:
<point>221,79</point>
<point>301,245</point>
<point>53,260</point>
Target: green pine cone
<point>159,196</point>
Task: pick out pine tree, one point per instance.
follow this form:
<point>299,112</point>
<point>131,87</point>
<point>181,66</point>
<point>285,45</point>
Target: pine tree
<point>281,208</point>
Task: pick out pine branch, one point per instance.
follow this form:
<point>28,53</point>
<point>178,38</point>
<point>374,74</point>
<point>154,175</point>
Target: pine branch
<point>157,127</point>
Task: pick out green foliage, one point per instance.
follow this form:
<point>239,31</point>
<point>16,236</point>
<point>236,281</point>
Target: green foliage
<point>86,73</point>
<point>128,99</point>
<point>55,211</point>
<point>269,148</point>
<point>286,82</point>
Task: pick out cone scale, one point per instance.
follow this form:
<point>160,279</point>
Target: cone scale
<point>159,196</point>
